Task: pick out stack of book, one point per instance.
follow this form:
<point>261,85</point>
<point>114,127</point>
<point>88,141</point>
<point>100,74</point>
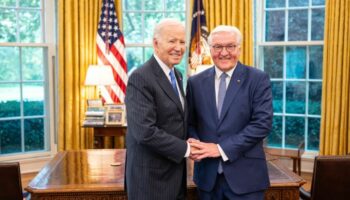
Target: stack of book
<point>94,116</point>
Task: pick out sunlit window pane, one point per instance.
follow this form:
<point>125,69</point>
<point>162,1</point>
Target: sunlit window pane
<point>295,97</point>
<point>131,5</point>
<point>10,136</point>
<point>151,19</point>
<point>33,99</point>
<point>30,26</point>
<point>9,3</point>
<point>318,2</point>
<point>275,3</point>
<point>30,3</point>
<point>32,61</point>
<point>134,57</point>
<point>316,62</point>
<point>273,61</point>
<point>315,96</point>
<point>296,62</point>
<point>7,25</point>
<point>295,129</point>
<point>9,64</point>
<point>275,26</point>
<point>275,137</point>
<point>132,27</point>
<point>298,3</point>
<point>313,133</point>
<point>175,5</point>
<point>148,52</point>
<point>153,5</point>
<point>179,16</point>
<point>277,93</point>
<point>10,103</point>
<point>297,25</point>
<point>317,23</point>
<point>34,134</point>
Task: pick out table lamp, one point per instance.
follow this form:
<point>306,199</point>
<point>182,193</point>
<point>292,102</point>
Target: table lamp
<point>99,75</point>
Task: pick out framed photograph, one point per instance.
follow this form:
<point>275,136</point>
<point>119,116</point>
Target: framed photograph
<point>120,106</point>
<point>94,103</point>
<point>115,117</point>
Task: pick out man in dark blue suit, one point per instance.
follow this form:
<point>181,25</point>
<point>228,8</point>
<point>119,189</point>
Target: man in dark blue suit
<point>230,113</point>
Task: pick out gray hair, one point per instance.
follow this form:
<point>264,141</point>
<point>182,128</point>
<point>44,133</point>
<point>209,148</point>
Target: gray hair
<point>229,29</point>
<point>163,23</point>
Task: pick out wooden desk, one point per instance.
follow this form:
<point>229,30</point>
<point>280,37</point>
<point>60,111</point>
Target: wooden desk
<point>88,174</point>
<point>101,132</point>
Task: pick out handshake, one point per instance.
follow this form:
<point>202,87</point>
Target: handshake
<point>200,150</point>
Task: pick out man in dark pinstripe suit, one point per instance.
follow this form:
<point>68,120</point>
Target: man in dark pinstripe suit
<point>156,115</point>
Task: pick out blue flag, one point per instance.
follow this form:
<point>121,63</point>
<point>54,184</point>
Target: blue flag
<point>199,48</point>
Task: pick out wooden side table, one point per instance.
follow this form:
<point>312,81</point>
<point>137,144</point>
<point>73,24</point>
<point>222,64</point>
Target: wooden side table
<point>295,155</point>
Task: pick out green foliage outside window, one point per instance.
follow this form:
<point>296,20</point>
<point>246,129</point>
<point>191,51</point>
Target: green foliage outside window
<point>11,129</point>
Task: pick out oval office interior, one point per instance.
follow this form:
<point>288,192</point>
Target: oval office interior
<point>55,115</point>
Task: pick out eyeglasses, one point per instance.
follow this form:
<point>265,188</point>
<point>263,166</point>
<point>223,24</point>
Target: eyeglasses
<point>229,48</point>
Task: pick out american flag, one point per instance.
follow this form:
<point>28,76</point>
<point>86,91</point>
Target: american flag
<point>111,51</point>
<point>199,48</point>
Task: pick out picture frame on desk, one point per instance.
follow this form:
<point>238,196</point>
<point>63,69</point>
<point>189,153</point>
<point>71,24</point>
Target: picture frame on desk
<point>119,106</point>
<point>115,117</point>
<point>94,103</point>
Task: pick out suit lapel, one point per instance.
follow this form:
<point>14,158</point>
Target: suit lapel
<point>209,87</point>
<point>165,84</point>
<point>237,79</point>
<point>179,81</point>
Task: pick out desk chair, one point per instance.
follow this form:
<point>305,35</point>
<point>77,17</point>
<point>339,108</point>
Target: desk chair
<point>10,181</point>
<point>330,179</point>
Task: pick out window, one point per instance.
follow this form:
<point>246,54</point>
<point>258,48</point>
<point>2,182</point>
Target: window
<point>289,48</point>
<point>26,38</point>
<point>139,18</point>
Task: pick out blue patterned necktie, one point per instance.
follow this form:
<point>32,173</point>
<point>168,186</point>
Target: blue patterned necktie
<point>173,81</point>
<point>222,92</point>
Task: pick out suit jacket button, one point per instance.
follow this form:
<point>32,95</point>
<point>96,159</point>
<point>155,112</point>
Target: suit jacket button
<point>219,135</point>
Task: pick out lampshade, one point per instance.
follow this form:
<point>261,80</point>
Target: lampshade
<point>99,75</point>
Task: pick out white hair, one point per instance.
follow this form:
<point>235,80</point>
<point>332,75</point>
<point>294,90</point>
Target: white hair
<point>229,29</point>
<point>163,23</point>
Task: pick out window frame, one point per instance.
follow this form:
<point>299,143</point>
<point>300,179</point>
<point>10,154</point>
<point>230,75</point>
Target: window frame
<point>34,160</point>
<point>260,43</point>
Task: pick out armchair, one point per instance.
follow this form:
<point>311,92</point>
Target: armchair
<point>330,179</point>
<point>10,181</point>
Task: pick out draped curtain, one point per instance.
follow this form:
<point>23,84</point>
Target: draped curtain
<point>334,133</point>
<point>233,12</point>
<point>77,28</point>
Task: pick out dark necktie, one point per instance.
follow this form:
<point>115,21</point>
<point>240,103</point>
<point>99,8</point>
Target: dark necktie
<point>221,97</point>
<point>222,92</point>
<point>173,81</point>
